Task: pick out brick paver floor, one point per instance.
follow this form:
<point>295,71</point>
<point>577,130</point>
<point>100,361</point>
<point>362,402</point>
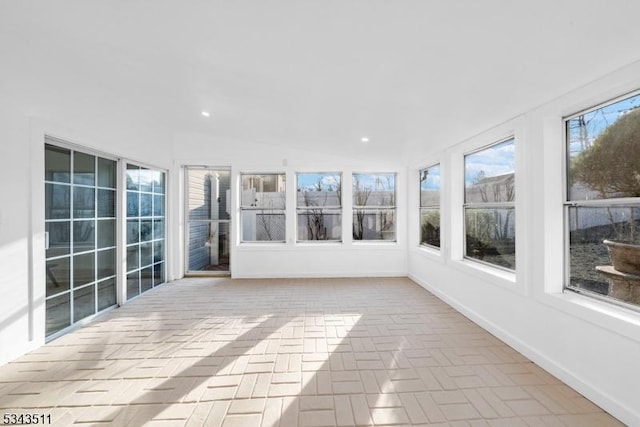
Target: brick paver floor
<point>307,352</point>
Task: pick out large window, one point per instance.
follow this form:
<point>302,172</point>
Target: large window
<point>145,229</point>
<point>430,206</point>
<point>374,206</point>
<point>602,207</point>
<point>489,210</point>
<point>262,208</point>
<point>319,206</point>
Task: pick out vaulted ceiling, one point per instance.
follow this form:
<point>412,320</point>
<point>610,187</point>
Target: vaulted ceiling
<point>319,74</point>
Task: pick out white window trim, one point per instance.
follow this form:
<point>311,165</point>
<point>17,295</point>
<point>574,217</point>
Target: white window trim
<point>516,281</point>
<point>567,202</point>
<point>426,248</point>
<point>394,208</point>
<point>602,314</point>
<point>284,210</point>
<point>343,198</point>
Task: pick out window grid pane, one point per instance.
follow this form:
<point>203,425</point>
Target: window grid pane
<point>430,206</point>
<point>320,225</point>
<point>489,212</point>
<point>145,228</point>
<point>430,226</point>
<point>322,190</point>
<point>319,207</point>
<point>490,236</point>
<point>374,199</point>
<point>374,224</point>
<point>262,207</point>
<point>371,190</point>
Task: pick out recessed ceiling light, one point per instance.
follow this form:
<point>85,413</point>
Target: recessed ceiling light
<point>364,139</point>
<point>206,114</point>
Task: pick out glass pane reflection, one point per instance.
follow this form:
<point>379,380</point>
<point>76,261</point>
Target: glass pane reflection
<point>490,235</point>
<point>84,302</point>
<point>58,313</point>
<point>84,269</point>
<point>57,164</point>
<point>84,169</point>
<point>84,202</point>
<point>107,296</point>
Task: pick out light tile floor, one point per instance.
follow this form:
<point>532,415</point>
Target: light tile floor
<point>308,352</point>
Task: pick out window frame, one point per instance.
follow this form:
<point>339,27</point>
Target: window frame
<point>421,207</point>
<point>55,142</point>
<point>338,208</point>
<point>568,203</point>
<point>489,205</point>
<point>242,208</point>
<point>153,218</point>
<point>393,208</point>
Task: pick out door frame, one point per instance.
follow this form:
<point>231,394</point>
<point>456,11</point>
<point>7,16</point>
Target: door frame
<point>186,222</point>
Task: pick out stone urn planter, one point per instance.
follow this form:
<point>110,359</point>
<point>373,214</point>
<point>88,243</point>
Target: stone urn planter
<point>625,257</point>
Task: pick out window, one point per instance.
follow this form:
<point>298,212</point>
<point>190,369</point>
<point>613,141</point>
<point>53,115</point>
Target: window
<point>262,208</point>
<point>489,210</point>
<point>430,206</point>
<point>319,206</point>
<point>374,206</point>
<point>602,207</point>
<point>145,229</point>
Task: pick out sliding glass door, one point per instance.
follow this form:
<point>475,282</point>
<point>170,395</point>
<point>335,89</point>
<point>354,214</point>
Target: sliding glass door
<point>83,209</point>
<point>208,224</point>
<point>80,235</point>
<point>145,229</point>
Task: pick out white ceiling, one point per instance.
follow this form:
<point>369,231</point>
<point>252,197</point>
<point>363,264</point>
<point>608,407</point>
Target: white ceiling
<point>319,74</point>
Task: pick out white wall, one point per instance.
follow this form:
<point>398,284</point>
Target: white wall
<point>15,327</point>
<point>592,345</point>
<point>291,259</point>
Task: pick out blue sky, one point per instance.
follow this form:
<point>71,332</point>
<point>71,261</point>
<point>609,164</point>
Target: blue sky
<point>597,121</point>
<point>432,182</point>
<point>385,181</point>
<point>495,160</point>
<point>309,180</point>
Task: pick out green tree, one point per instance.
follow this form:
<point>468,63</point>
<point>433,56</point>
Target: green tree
<point>611,166</point>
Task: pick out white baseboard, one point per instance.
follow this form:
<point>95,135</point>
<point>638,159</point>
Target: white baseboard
<point>316,275</point>
<point>627,415</point>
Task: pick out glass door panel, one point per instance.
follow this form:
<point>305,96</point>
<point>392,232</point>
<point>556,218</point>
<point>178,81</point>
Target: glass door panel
<point>145,229</point>
<point>80,263</point>
<point>208,220</point>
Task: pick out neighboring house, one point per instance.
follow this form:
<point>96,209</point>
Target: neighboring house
<point>500,188</point>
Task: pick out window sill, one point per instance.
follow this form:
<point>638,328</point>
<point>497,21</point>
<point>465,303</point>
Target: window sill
<point>262,245</point>
<point>316,246</point>
<point>320,246</point>
<point>493,275</point>
<point>617,319</point>
<point>374,243</point>
<point>431,252</point>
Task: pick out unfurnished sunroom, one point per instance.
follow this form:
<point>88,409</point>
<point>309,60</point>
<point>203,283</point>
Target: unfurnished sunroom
<point>320,213</point>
